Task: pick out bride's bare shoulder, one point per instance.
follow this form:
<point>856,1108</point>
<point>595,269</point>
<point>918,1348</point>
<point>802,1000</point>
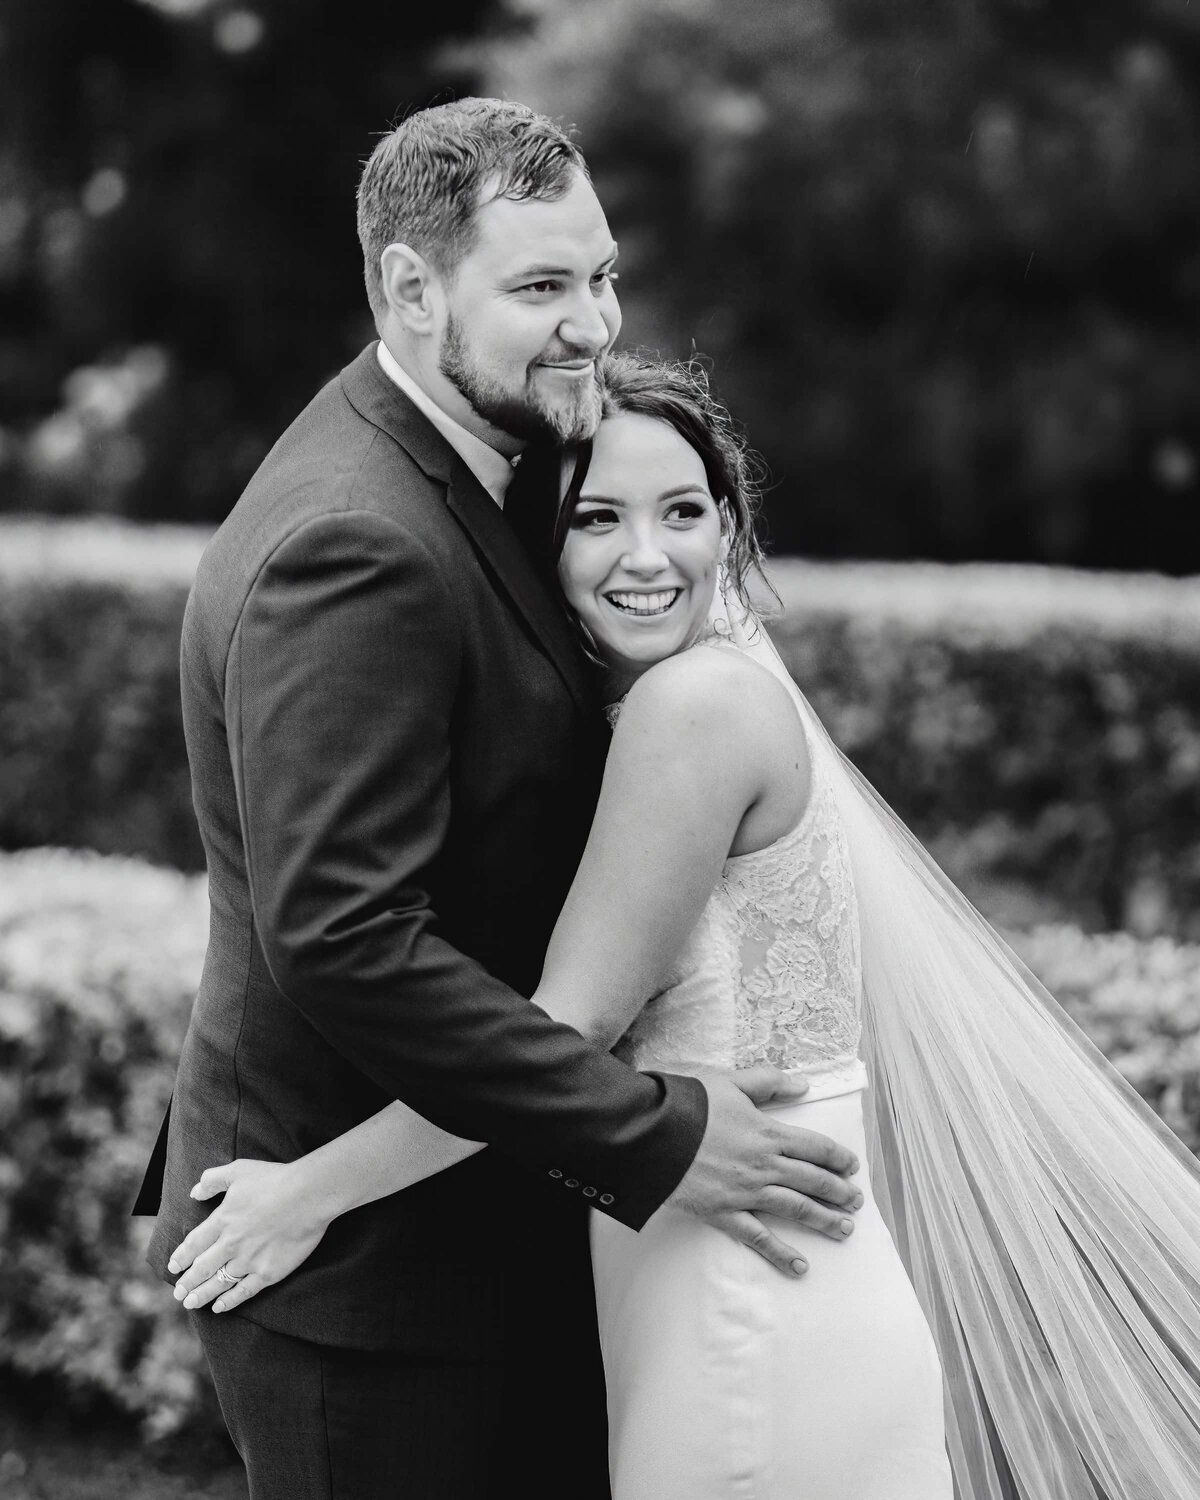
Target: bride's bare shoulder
<point>724,727</point>
<point>708,692</point>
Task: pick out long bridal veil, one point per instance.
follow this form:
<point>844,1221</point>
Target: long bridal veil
<point>1049,1222</point>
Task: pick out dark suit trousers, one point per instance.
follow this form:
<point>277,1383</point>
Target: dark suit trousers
<point>313,1422</point>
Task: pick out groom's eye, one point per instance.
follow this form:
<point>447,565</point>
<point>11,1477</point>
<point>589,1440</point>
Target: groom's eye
<point>541,287</point>
<point>604,278</point>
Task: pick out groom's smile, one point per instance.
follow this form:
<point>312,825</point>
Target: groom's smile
<point>570,367</point>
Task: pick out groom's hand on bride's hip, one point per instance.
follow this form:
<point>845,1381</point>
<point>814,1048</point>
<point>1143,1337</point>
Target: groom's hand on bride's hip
<point>751,1163</point>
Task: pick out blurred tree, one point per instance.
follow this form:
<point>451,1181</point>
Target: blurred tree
<point>945,255</point>
<point>178,261</point>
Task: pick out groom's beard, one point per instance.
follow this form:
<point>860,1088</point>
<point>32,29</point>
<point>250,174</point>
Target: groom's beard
<point>524,414</point>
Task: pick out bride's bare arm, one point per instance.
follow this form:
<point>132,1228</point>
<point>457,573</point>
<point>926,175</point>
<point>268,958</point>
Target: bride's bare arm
<point>685,773</point>
<point>681,778</point>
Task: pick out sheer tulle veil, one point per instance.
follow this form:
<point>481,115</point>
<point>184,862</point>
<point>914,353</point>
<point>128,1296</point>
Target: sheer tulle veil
<point>1049,1222</point>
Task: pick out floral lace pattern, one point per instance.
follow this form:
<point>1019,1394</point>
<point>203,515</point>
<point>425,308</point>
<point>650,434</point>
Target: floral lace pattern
<point>772,971</point>
<point>797,1001</point>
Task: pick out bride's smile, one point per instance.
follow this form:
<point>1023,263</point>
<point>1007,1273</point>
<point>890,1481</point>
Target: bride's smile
<point>630,601</point>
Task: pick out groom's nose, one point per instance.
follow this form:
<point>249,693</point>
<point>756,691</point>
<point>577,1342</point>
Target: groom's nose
<point>584,327</point>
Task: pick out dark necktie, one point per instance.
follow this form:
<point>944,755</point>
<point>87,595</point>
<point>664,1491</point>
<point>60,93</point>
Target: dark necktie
<point>531,502</point>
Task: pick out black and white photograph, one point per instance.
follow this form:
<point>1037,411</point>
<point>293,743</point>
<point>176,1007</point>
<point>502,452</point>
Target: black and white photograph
<point>600,750</point>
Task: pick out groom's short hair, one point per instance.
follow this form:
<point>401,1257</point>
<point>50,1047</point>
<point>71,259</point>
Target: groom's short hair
<point>421,186</point>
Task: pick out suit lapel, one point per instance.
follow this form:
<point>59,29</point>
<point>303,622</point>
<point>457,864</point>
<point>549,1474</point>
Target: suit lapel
<point>384,405</point>
<point>506,559</point>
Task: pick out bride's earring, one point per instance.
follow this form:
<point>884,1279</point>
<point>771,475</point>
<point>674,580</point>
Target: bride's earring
<point>723,558</point>
<point>719,619</point>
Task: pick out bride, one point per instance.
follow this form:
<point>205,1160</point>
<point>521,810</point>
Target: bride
<point>1014,1308</point>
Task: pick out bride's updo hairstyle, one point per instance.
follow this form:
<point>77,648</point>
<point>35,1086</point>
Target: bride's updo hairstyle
<point>677,393</point>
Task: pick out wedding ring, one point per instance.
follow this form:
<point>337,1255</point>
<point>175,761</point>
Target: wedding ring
<point>227,1276</point>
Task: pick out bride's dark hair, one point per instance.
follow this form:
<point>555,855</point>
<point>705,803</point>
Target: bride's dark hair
<point>677,392</point>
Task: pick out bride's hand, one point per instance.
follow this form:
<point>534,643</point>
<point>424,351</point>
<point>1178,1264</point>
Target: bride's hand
<point>264,1229</point>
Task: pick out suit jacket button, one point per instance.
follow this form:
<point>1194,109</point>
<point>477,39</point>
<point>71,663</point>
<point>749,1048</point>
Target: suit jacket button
<point>589,1192</point>
<point>606,1199</point>
<point>555,1173</point>
<point>571,1182</point>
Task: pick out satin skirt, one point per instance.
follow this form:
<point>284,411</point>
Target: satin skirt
<point>727,1379</point>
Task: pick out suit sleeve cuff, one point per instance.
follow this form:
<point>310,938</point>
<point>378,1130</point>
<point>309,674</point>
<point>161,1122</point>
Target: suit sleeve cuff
<point>685,1103</point>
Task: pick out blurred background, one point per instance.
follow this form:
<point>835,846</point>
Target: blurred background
<point>944,254</point>
<point>943,257</point>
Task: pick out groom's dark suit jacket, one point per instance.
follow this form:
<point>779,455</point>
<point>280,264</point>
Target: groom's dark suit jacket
<point>395,756</point>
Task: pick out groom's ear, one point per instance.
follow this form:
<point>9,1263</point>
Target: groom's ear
<point>408,286</point>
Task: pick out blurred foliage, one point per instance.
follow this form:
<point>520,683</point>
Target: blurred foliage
<point>179,270</point>
<point>99,959</point>
<point>945,255</point>
<point>91,739</point>
<point>1139,1002</point>
<point>99,962</point>
<point>1039,728</point>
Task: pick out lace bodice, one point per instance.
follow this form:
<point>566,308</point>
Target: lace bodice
<point>772,970</point>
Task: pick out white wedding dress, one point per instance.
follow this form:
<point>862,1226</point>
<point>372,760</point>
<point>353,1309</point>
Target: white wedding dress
<point>725,1378</point>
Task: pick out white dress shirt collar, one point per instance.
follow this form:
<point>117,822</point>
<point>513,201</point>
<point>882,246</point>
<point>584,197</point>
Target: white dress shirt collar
<point>492,469</point>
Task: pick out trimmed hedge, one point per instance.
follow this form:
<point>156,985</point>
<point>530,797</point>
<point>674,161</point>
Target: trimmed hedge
<point>1039,728</point>
<point>91,741</point>
<point>99,961</point>
<point>1140,1004</point>
<point>99,958</point>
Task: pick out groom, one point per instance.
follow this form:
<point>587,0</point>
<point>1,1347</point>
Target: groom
<point>395,756</point>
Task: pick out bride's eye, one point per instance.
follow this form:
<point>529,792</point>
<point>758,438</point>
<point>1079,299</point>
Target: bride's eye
<point>594,518</point>
<point>686,510</point>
